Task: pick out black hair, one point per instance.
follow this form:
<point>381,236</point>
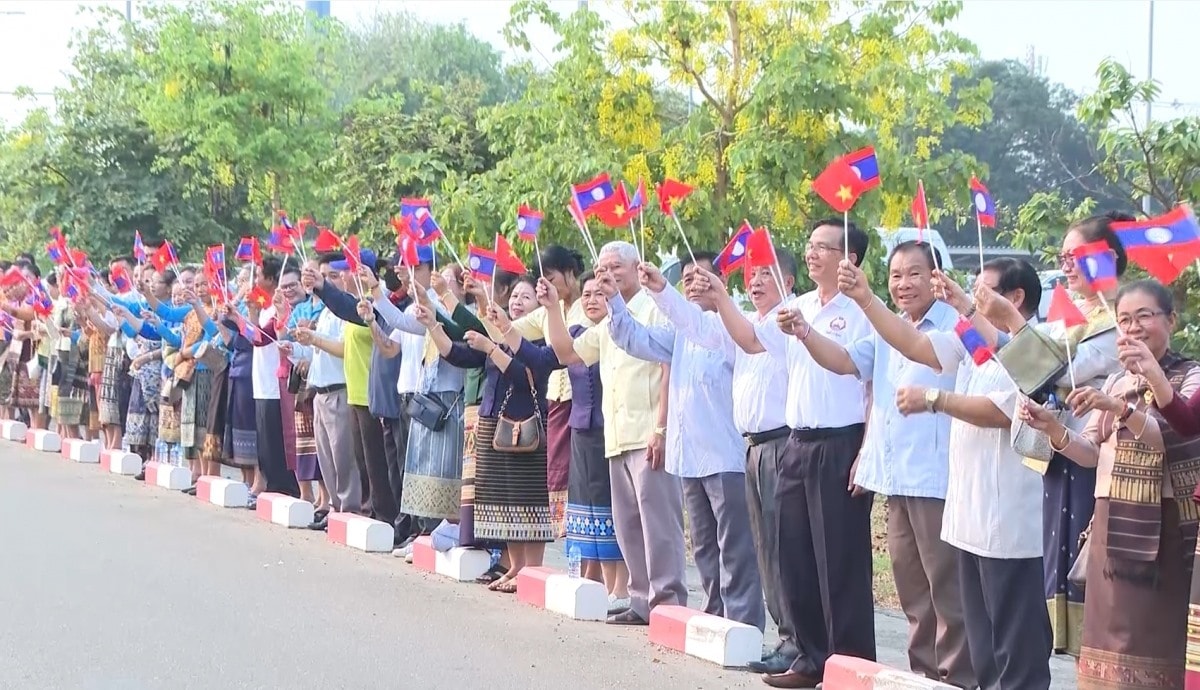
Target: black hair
<point>925,249</point>
<point>129,261</point>
<point>585,277</point>
<point>858,239</point>
<point>1149,286</point>
<point>52,279</point>
<point>1099,228</point>
<point>1017,274</point>
<point>168,277</point>
<point>528,279</point>
<point>504,281</point>
<point>27,257</point>
<point>329,257</point>
<point>270,269</point>
<point>787,265</point>
<point>28,265</point>
<point>389,276</point>
<point>5,264</point>
<point>292,268</point>
<point>556,257</point>
<point>699,255</point>
<point>104,275</point>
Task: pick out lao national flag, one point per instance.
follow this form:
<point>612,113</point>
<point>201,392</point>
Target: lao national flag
<point>428,230</point>
<point>481,263</point>
<point>920,211</point>
<point>593,193</point>
<point>638,202</point>
<point>12,277</point>
<point>56,233</point>
<point>57,252</point>
<point>281,241</point>
<point>733,255</point>
<point>981,199</point>
<point>529,221</point>
<point>408,207</point>
<point>139,249</point>
<point>1098,265</point>
<point>1165,245</point>
<point>847,178</point>
<point>247,250</point>
<point>506,258</point>
<point>121,280</point>
<point>976,346</point>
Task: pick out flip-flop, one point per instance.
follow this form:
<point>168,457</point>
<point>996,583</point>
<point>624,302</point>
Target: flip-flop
<point>494,573</point>
<point>508,587</point>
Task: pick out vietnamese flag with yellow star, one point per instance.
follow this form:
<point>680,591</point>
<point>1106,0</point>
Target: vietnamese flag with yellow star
<point>847,178</point>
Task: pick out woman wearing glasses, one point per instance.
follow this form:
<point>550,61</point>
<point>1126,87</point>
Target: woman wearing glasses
<point>1140,551</point>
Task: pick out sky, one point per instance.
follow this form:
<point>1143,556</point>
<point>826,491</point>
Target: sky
<point>1068,38</point>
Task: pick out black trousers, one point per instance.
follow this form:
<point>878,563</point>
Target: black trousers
<point>367,433</point>
<point>272,458</point>
<point>824,541</point>
<point>762,471</point>
<point>1008,626</point>
<point>395,449</point>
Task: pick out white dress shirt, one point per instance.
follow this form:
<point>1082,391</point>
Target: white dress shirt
<point>264,369</point>
<point>904,456</point>
<point>325,370</point>
<point>993,501</point>
<point>700,402</point>
<point>818,398</point>
<point>759,380</point>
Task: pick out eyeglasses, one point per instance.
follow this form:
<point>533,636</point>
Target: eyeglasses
<point>1142,318</point>
<point>820,248</point>
<point>1066,260</point>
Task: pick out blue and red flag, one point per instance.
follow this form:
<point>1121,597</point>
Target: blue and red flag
<point>529,221</point>
<point>122,282</point>
<point>248,250</point>
<point>1165,245</point>
<point>281,241</point>
<point>408,207</point>
<point>481,263</point>
<point>733,256</point>
<point>428,231</point>
<point>1098,264</point>
<point>981,199</point>
<point>638,201</point>
<point>139,249</point>
<point>847,178</point>
<point>591,196</point>
<point>971,339</point>
<point>57,251</point>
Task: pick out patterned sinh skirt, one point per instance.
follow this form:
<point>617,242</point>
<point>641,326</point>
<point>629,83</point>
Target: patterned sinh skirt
<point>589,503</point>
<point>46,384</point>
<point>511,501</point>
<point>114,387</point>
<point>558,462</point>
<point>287,406</point>
<point>193,412</point>
<point>433,466</point>
<point>241,435</point>
<point>1137,630</point>
<point>307,469</point>
<point>1066,511</point>
<point>141,424</point>
<point>466,509</point>
<point>71,393</point>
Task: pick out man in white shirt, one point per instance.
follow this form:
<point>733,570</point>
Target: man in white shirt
<point>993,514</point>
<point>759,399</point>
<point>823,529</point>
<point>703,447</point>
<point>907,461</point>
<point>268,417</point>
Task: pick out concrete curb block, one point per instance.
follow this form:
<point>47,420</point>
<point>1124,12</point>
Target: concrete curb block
<point>712,638</point>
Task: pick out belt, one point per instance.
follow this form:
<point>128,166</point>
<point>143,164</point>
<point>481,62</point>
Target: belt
<point>322,390</point>
<point>827,432</point>
<point>761,437</point>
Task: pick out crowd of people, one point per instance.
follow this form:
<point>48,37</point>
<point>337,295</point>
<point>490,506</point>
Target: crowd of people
<point>600,405</point>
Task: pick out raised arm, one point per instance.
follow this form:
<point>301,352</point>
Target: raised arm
<point>653,343</point>
<point>894,329</point>
<point>556,326</point>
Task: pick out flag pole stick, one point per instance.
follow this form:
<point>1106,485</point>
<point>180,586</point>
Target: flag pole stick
<point>774,268</point>
<point>538,252</point>
<point>642,228</point>
<point>979,232</point>
<point>1107,307</point>
<point>1070,362</point>
<point>453,253</point>
<point>633,232</point>
<point>679,226</point>
<point>846,234</point>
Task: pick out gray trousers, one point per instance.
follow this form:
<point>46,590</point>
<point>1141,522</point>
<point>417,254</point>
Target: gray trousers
<point>762,471</point>
<point>648,514</point>
<point>716,507</point>
<point>335,451</point>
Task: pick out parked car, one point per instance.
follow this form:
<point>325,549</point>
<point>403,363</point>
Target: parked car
<point>1049,280</point>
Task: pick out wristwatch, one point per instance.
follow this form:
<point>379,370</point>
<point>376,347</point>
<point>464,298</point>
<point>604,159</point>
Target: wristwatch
<point>660,431</point>
<point>1130,408</point>
<point>931,398</point>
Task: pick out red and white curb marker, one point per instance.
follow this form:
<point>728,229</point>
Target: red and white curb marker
<point>12,430</point>
<point>852,673</point>
<point>120,462</point>
<point>459,564</point>
<point>553,590</point>
<point>283,510</point>
<point>81,451</point>
<point>704,636</point>
<point>360,533</point>
<point>43,440</point>
<point>222,492</point>
<point>167,476</point>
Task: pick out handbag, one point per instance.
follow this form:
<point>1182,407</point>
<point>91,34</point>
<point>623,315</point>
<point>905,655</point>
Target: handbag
<point>1035,361</point>
<point>518,435</point>
<point>429,411</point>
<point>1031,443</point>
<point>1077,575</point>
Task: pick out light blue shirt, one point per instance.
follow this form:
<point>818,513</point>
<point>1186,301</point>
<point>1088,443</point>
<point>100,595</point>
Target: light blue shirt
<point>438,376</point>
<point>700,395</point>
<point>904,456</point>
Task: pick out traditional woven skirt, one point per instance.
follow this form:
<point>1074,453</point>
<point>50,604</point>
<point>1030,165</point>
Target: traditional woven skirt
<point>307,469</point>
<point>46,384</point>
<point>214,422</point>
<point>71,393</point>
<point>141,424</point>
<point>114,387</point>
<point>433,466</point>
<point>193,412</point>
<point>1136,631</point>
<point>1066,512</point>
<point>168,423</point>
<point>511,501</point>
<point>466,509</point>
<point>26,387</point>
<point>287,407</point>
<point>558,462</point>
<point>589,499</point>
<point>241,436</point>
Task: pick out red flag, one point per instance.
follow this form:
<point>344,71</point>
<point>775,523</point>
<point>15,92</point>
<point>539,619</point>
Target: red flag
<point>507,259</point>
<point>353,254</point>
<point>1063,309</point>
<point>614,211</point>
<point>760,251</point>
<point>406,241</point>
<point>327,241</point>
<point>161,259</point>
<point>12,277</point>
<point>847,178</point>
<point>669,191</point>
<point>259,297</point>
<point>920,211</point>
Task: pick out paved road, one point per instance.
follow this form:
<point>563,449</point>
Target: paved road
<point>106,583</point>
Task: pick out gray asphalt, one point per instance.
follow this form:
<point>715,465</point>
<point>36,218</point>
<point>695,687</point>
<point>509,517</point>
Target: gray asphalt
<point>107,583</point>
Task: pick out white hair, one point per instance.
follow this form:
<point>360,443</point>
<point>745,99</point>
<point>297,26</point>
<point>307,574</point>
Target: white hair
<point>626,251</point>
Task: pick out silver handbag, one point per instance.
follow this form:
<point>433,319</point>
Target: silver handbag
<point>1031,443</point>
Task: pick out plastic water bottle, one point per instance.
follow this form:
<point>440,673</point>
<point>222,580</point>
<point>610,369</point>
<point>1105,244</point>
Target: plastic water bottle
<point>574,562</point>
<point>495,553</point>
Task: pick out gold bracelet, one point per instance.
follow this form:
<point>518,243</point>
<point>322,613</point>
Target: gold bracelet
<point>1062,442</point>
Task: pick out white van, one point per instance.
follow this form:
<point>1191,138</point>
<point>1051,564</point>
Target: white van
<point>891,238</point>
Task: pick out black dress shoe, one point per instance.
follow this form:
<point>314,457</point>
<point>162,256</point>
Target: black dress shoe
<point>320,515</point>
<point>772,663</point>
<point>190,491</point>
<point>790,679</point>
<point>627,617</point>
<point>319,525</point>
<point>140,476</point>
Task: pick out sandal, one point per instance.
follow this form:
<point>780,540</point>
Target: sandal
<point>506,587</point>
<point>494,573</point>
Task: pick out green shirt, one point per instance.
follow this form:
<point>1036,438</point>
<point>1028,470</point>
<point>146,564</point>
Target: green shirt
<point>356,362</point>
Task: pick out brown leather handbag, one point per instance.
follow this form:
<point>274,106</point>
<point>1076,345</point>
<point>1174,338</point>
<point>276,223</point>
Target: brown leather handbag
<point>519,435</point>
